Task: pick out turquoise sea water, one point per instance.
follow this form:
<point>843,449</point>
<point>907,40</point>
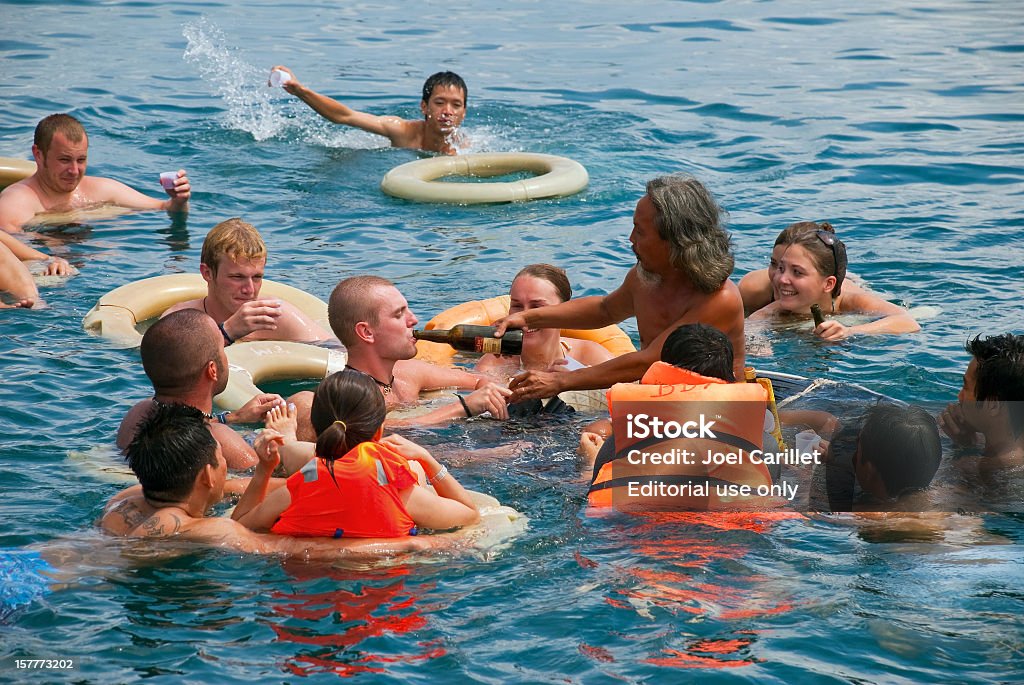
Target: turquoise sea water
<point>898,122</point>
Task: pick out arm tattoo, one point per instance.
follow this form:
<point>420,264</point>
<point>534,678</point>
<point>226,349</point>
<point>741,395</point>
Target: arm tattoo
<point>132,515</point>
<point>154,527</point>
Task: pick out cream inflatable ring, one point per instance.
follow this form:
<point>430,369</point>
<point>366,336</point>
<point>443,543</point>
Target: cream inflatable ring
<point>252,363</point>
<point>417,181</point>
<point>118,312</point>
<point>13,170</point>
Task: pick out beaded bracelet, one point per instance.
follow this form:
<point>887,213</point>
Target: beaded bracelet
<point>465,407</point>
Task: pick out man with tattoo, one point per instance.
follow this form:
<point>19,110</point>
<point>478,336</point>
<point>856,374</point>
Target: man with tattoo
<point>182,473</point>
<point>183,355</point>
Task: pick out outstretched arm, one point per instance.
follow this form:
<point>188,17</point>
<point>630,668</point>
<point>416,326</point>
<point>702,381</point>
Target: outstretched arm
<point>489,397</point>
<point>115,192</point>
<point>591,312</point>
<point>390,127</point>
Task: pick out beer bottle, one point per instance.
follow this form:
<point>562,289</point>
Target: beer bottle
<point>478,339</point>
<point>819,318</point>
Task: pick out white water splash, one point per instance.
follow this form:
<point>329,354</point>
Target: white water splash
<point>484,137</point>
<point>259,110</point>
<point>242,86</point>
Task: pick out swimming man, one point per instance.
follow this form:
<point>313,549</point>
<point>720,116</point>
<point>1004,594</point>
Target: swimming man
<point>443,106</point>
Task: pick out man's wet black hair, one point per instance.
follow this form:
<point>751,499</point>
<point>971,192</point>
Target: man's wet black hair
<point>700,348</point>
<point>903,445</point>
<point>171,446</point>
<point>1000,367</point>
<point>1000,374</point>
<point>445,78</point>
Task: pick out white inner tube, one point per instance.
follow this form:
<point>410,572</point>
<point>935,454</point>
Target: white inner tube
<point>118,312</point>
<point>13,170</point>
<point>417,181</point>
<point>252,363</point>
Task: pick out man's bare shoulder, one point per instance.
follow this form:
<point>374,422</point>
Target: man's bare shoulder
<point>20,193</point>
<point>129,515</point>
<point>188,304</point>
<point>296,325</point>
<point>18,204</point>
<point>133,517</point>
<point>99,189</point>
<point>403,132</point>
<point>126,431</point>
<point>728,295</point>
<point>237,452</point>
<point>722,309</point>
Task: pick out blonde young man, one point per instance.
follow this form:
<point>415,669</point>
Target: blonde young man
<point>232,263</point>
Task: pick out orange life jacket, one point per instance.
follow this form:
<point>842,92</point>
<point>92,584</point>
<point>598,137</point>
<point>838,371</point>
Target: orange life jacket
<point>738,411</point>
<point>361,501</point>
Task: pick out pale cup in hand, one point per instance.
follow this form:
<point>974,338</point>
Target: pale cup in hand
<point>807,442</point>
<point>279,77</point>
<point>168,178</point>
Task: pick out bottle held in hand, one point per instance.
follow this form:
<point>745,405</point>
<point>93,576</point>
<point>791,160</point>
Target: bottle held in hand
<point>477,339</point>
<point>819,318</point>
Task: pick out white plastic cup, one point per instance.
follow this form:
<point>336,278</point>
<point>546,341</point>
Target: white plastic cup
<point>807,441</point>
<point>279,77</point>
<point>168,178</point>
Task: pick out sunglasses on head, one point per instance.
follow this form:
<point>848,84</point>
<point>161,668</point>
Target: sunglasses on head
<point>829,239</point>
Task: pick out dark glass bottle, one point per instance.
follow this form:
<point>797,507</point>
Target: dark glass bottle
<point>478,339</point>
<point>819,318</point>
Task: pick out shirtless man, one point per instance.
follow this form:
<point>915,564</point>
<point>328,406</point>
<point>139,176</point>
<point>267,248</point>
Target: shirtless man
<point>443,106</point>
<point>991,403</point>
<point>61,150</point>
<point>183,355</point>
<point>232,263</point>
<point>373,320</point>
<point>182,473</point>
<point>681,276</point>
<point>59,184</point>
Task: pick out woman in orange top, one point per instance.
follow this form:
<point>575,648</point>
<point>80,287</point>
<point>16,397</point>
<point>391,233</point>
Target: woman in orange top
<point>359,485</point>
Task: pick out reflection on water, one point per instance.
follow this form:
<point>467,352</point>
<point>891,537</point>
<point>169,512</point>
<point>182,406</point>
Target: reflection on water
<point>339,626</point>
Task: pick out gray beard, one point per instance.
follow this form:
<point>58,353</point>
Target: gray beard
<point>648,277</point>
